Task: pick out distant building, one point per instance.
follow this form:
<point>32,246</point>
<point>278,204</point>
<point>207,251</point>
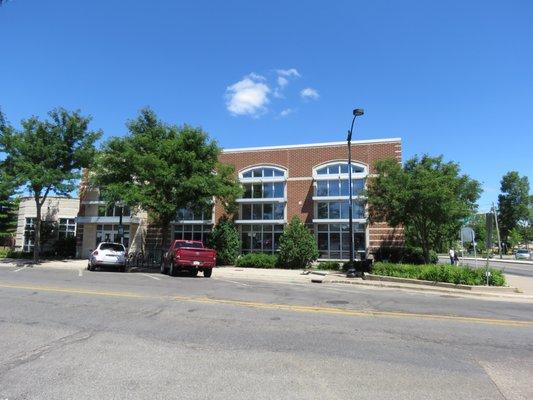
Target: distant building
<point>279,182</point>
<point>58,213</point>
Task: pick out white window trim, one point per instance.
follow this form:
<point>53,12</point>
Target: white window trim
<point>192,222</point>
<point>263,179</point>
<point>261,221</point>
<point>268,179</point>
<point>263,200</point>
<point>339,221</point>
<point>337,198</point>
<point>325,177</point>
<point>355,175</point>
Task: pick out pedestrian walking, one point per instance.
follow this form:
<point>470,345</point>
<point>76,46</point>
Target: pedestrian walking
<point>452,255</point>
<point>455,258</point>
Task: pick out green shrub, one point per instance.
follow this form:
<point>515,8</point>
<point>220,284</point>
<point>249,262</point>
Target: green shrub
<point>256,260</point>
<point>328,266</point>
<point>297,245</point>
<point>225,240</point>
<point>14,254</point>
<point>65,247</point>
<point>409,255</point>
<point>440,273</point>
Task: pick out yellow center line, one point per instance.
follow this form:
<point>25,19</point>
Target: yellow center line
<point>283,307</point>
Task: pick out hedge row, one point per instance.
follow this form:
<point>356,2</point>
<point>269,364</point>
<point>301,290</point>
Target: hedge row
<point>440,273</point>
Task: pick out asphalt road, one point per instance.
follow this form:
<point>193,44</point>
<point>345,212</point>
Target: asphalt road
<point>511,268</point>
<point>100,335</point>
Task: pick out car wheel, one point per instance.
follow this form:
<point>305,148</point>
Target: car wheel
<point>208,272</point>
<point>173,270</point>
<point>90,267</point>
<point>164,268</point>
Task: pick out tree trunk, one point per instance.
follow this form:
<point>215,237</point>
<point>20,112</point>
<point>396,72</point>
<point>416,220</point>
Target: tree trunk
<point>37,235</point>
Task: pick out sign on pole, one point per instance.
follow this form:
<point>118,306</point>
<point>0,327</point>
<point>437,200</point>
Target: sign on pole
<point>489,224</point>
<point>467,234</point>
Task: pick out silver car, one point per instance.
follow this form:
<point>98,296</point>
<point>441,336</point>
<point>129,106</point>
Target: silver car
<point>522,254</point>
<point>109,255</point>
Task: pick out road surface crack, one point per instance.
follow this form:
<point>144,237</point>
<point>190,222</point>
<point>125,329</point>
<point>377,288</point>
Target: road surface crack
<point>29,356</point>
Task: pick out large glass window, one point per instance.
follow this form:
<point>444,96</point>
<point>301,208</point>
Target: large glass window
<point>29,235</point>
<point>262,211</point>
<point>67,228</point>
<point>339,168</point>
<point>265,190</point>
<point>109,233</point>
<point>334,240</point>
<point>263,172</point>
<point>339,210</point>
<point>113,211</point>
<point>199,232</point>
<point>339,187</point>
<point>185,214</point>
<point>260,238</point>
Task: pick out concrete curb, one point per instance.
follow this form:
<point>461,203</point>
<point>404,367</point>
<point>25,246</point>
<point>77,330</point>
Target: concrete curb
<point>479,259</point>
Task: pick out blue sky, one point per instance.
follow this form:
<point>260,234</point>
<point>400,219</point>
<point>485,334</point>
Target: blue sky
<point>452,77</point>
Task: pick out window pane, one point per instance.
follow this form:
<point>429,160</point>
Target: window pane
<point>358,186</point>
<point>277,235</point>
<point>334,210</point>
<point>268,211</point>
<point>246,240</point>
<point>278,228</point>
<point>187,228</point>
<point>247,174</point>
<point>334,187</point>
<point>322,171</point>
<point>333,169</point>
<point>126,211</point>
<point>345,241</point>
<point>268,190</point>
<point>246,228</point>
<point>257,173</point>
<point>257,211</point>
<point>359,241</point>
<point>279,209</point>
<point>322,188</point>
<point>323,241</point>
<point>322,228</point>
<point>344,168</point>
<point>345,210</point>
<point>268,172</point>
<point>322,210</point>
<point>278,173</point>
<point>246,211</point>
<point>267,241</point>
<point>334,241</point>
<point>256,240</point>
<point>247,191</point>
<point>197,236</point>
<point>257,191</point>
<point>358,210</point>
<point>278,190</point>
<point>345,187</point>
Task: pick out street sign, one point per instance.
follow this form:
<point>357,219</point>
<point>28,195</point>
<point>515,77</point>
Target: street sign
<point>467,234</point>
<point>489,218</point>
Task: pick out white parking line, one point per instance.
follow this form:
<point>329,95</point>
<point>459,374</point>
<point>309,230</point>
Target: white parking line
<point>153,277</point>
<point>19,269</point>
<point>80,273</point>
<point>227,280</point>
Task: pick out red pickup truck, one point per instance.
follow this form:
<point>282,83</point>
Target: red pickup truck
<point>188,255</point>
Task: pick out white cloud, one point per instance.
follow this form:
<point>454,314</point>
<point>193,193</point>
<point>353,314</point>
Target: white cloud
<point>291,72</point>
<point>286,112</point>
<point>249,96</point>
<point>282,81</point>
<point>309,94</point>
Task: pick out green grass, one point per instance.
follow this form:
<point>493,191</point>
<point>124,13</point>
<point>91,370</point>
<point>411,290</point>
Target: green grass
<point>440,273</point>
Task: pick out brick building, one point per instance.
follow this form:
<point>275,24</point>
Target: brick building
<point>308,180</point>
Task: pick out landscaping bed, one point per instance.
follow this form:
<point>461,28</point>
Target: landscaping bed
<point>457,275</point>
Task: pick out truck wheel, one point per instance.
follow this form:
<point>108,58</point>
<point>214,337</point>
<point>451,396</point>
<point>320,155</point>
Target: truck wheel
<point>173,269</point>
<point>208,272</point>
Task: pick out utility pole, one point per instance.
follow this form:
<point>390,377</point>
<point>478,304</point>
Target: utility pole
<point>497,230</point>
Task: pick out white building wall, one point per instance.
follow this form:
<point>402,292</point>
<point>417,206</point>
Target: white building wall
<point>53,209</point>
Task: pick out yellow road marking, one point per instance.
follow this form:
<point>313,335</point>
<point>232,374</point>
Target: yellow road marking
<point>283,307</point>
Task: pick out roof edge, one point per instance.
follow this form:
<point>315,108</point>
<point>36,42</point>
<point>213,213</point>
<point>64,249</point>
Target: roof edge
<point>299,146</point>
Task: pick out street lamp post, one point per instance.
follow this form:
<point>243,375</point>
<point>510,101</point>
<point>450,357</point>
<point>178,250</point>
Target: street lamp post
<point>351,273</point>
<point>120,205</point>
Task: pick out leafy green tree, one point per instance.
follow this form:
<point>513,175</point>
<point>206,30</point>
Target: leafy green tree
<point>514,238</point>
<point>297,245</point>
<point>225,240</point>
<point>47,156</point>
<point>427,196</point>
<point>163,168</point>
<point>513,203</point>
<point>8,205</point>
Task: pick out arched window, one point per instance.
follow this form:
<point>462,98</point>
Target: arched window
<point>337,168</point>
<point>263,173</point>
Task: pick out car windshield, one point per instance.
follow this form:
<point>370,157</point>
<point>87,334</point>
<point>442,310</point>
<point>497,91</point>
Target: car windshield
<point>188,244</point>
<point>522,251</point>
<point>112,246</point>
